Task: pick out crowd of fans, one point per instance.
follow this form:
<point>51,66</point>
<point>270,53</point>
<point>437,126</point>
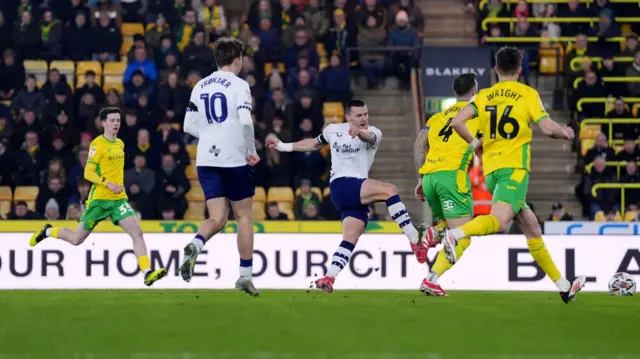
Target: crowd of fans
<point>596,59</point>
<point>45,129</point>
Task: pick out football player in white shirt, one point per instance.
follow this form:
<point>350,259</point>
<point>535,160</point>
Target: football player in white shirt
<point>219,115</point>
<point>353,148</point>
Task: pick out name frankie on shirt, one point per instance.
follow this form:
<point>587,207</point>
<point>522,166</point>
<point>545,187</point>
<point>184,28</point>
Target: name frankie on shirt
<point>216,80</point>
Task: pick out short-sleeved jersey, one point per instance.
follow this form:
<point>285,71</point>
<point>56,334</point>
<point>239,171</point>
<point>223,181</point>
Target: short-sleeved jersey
<point>218,99</point>
<point>505,111</point>
<point>350,157</point>
<point>447,150</point>
<point>108,156</point>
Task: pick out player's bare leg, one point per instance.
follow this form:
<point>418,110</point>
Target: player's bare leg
<point>352,229</point>
<point>242,212</point>
<point>375,191</point>
<point>218,213</point>
<point>529,225</point>
<point>429,285</point>
<point>498,221</point>
<point>68,235</point>
<point>131,226</point>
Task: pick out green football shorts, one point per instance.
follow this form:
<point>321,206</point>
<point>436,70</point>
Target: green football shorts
<point>509,186</point>
<point>99,209</point>
<point>448,194</point>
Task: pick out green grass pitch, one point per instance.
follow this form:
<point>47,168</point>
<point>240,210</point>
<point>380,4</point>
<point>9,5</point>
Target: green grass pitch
<point>155,324</point>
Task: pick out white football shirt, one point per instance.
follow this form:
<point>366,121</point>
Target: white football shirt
<point>217,100</point>
<point>350,157</point>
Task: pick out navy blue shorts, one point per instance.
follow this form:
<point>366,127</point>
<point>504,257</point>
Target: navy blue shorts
<point>234,183</point>
<point>345,194</point>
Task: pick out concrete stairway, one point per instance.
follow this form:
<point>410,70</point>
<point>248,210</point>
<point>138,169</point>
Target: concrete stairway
<point>391,110</point>
<point>448,23</point>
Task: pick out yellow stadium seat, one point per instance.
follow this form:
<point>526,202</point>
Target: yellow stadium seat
<point>585,145</point>
<point>84,66</point>
<point>601,218</point>
<point>194,183</point>
<point>285,206</point>
<point>38,68</point>
<point>321,50</point>
<point>315,190</point>
<point>191,172</point>
<point>550,62</point>
<point>631,216</point>
<point>590,131</point>
<point>332,109</point>
<point>113,85</point>
<point>6,102</point>
<point>27,194</point>
<point>280,194</point>
<point>114,71</point>
<point>289,213</point>
<point>5,199</point>
<point>326,192</point>
<point>260,195</point>
<point>192,150</point>
<point>634,109</point>
<point>258,212</point>
<point>195,194</point>
<point>195,212</point>
<point>128,29</point>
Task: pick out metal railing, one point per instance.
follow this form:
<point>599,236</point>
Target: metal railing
<point>564,20</point>
<point>621,186</point>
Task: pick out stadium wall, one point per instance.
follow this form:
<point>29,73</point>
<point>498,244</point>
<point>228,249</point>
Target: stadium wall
<point>293,261</point>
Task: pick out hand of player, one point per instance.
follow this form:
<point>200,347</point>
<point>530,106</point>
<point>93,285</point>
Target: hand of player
<point>354,131</point>
<point>479,150</point>
<point>419,193</point>
<point>569,133</point>
<point>253,160</point>
<point>271,142</point>
<point>115,188</point>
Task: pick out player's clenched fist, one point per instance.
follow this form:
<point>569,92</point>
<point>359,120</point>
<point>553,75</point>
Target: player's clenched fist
<point>115,188</point>
<point>253,160</point>
<point>569,133</point>
<point>272,142</point>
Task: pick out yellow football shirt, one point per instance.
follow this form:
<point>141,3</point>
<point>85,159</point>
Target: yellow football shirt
<point>447,150</point>
<point>505,111</point>
<point>108,157</point>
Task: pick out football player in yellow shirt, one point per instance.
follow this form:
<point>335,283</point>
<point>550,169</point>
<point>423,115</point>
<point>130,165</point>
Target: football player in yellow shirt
<point>443,176</point>
<point>505,112</point>
<point>107,199</point>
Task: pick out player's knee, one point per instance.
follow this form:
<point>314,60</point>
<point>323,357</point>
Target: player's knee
<point>391,190</point>
<point>77,239</point>
<point>218,223</point>
<point>244,220</point>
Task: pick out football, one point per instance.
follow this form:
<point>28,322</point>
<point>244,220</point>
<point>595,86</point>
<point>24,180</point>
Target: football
<point>622,284</point>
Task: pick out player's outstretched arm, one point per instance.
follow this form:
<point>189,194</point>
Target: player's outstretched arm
<point>421,147</point>
<point>459,124</point>
<point>552,129</point>
<point>306,145</point>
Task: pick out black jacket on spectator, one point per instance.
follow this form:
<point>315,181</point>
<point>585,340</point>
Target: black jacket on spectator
<point>45,194</point>
<point>29,100</point>
<point>52,39</point>
<point>77,42</point>
<point>596,151</point>
<point>605,197</point>
<point>174,99</point>
<point>632,196</point>
<point>96,91</point>
<point>197,57</point>
<point>6,166</point>
<point>620,131</point>
<point>27,168</point>
<point>590,110</point>
<point>12,77</point>
<point>106,39</point>
<point>616,89</point>
<point>67,12</point>
<point>27,40</point>
<point>177,179</point>
<point>144,204</point>
<point>628,157</point>
<point>573,29</point>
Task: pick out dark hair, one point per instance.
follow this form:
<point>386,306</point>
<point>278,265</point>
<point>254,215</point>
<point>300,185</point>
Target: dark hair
<point>354,103</point>
<point>107,111</point>
<point>508,60</point>
<point>227,49</point>
<point>464,84</point>
<point>272,204</point>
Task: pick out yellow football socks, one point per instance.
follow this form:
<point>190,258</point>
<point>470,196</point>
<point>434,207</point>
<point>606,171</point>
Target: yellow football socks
<point>441,225</point>
<point>55,231</point>
<point>541,255</point>
<point>442,264</point>
<point>480,226</point>
<point>144,263</point>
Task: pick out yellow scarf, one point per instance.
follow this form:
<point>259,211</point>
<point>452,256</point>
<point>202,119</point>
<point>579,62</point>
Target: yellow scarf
<point>144,148</point>
<point>184,36</point>
<point>216,14</point>
<point>286,20</point>
<point>45,29</point>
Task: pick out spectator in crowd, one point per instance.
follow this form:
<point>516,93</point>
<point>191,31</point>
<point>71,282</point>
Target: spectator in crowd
<point>403,35</point>
<point>29,97</point>
<point>305,197</point>
<point>334,81</point>
<point>74,212</point>
<point>601,149</point>
<point>60,101</point>
<point>77,42</point>
<point>197,56</point>
<point>156,33</point>
<point>90,87</point>
<point>372,62</point>
<point>172,185</point>
<point>143,202</point>
<point>605,197</point>
<point>630,151</point>
<point>590,88</point>
<point>51,36</point>
<point>107,40</point>
<point>133,10</point>
<point>6,163</point>
<point>274,214</point>
<point>30,160</point>
<point>143,64</point>
<point>81,195</point>
<point>12,75</point>
<point>26,36</point>
<point>416,18</point>
<point>21,211</point>
<point>611,69</point>
<point>634,71</point>
<point>339,36</point>
<point>606,28</point>
<point>611,214</point>
<point>559,213</point>
<point>173,98</point>
<point>328,210</point>
<point>139,42</point>
<point>576,10</point>
<point>552,29</point>
<point>317,18</point>
<point>302,45</point>
<point>311,212</point>
<point>140,174</point>
<point>632,175</point>
<point>185,30</point>
<point>620,111</point>
<point>87,111</point>
<point>138,86</point>
<point>76,173</point>
<point>111,7</point>
<point>56,82</point>
<point>631,46</point>
<point>53,190</point>
<point>278,168</point>
<point>5,33</point>
<point>68,13</point>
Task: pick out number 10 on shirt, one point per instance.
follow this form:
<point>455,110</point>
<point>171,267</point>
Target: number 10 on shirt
<point>210,107</point>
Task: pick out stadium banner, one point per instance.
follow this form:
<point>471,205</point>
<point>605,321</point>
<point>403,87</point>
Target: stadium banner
<point>294,261</point>
<point>386,227</point>
<point>592,228</point>
<point>440,65</point>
